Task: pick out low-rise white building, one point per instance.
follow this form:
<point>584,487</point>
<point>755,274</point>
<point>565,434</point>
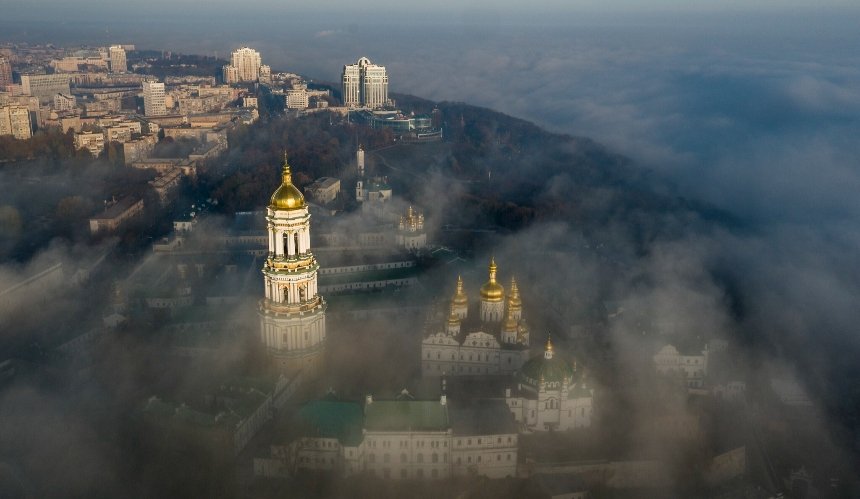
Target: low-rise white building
<point>691,365</point>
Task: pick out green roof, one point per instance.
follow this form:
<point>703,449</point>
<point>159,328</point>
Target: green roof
<point>401,415</point>
<point>331,419</point>
<point>553,370</point>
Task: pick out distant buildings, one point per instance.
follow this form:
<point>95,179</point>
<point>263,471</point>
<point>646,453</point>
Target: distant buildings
<point>244,66</point>
<point>153,99</point>
<point>117,59</point>
<point>297,98</point>
<point>324,190</point>
<point>64,102</point>
<point>365,84</point>
<point>45,87</point>
<point>94,142</point>
<point>115,215</point>
<point>410,231</point>
<point>5,73</point>
<point>691,365</point>
<point>15,121</point>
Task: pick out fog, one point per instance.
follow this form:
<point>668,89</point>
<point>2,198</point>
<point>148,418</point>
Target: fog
<point>756,114</point>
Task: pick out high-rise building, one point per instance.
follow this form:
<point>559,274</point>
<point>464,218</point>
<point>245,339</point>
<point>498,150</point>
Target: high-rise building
<point>117,59</point>
<point>45,87</point>
<point>266,74</point>
<point>365,84</point>
<point>247,63</point>
<point>230,74</point>
<point>292,313</point>
<point>153,99</point>
<point>5,73</point>
<point>15,121</point>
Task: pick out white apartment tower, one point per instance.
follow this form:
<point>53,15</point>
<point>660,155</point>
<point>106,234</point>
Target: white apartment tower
<point>292,314</point>
<point>153,99</point>
<point>365,84</point>
<point>247,63</point>
<point>117,59</point>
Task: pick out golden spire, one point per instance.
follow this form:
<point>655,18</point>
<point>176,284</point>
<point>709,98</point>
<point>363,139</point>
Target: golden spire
<point>460,298</point>
<point>492,291</point>
<point>547,354</point>
<point>514,300</point>
<point>510,322</point>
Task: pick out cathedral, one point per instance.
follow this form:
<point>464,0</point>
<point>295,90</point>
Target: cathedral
<point>488,337</point>
<point>550,394</point>
<point>292,314</point>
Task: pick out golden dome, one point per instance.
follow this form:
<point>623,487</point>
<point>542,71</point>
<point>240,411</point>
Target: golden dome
<point>453,318</point>
<point>492,291</point>
<point>288,196</point>
<point>460,298</point>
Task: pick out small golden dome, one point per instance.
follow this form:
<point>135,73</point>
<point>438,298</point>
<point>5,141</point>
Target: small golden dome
<point>288,196</point>
<point>492,291</point>
<point>460,298</point>
<point>453,318</point>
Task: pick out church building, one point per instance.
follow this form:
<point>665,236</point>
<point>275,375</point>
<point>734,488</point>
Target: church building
<point>487,337</point>
<point>292,314</point>
<point>550,394</point>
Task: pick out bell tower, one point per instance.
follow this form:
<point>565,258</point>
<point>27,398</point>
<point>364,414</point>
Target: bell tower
<point>292,313</point>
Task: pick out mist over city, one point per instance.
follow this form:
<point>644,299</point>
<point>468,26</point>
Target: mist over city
<point>433,250</point>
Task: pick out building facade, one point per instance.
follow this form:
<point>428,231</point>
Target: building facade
<point>550,395</point>
<point>153,99</point>
<point>401,439</point>
<point>117,59</point>
<point>485,338</point>
<point>93,142</point>
<point>45,86</point>
<point>15,121</point>
<point>692,366</point>
<point>5,73</point>
<point>292,313</point>
<point>247,62</point>
<point>364,84</point>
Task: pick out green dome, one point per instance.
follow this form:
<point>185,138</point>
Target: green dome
<point>547,368</point>
<point>552,370</point>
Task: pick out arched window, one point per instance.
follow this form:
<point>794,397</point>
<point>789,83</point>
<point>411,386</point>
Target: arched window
<point>296,236</point>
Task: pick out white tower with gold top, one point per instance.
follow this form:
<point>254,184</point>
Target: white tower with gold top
<point>292,314</point>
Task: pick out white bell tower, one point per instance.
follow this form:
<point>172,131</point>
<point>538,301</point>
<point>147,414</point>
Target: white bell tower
<point>292,314</point>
